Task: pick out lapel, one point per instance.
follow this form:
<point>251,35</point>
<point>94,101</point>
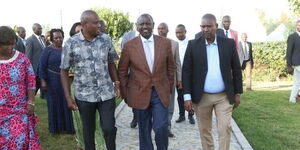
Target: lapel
<point>157,51</point>
<point>141,53</point>
<point>37,41</point>
<point>220,44</point>
<point>200,51</point>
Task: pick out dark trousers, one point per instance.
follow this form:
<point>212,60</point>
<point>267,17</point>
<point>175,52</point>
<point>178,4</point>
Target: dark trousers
<point>106,111</point>
<point>180,100</point>
<point>156,117</point>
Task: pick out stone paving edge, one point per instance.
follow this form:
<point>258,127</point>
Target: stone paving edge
<point>241,139</point>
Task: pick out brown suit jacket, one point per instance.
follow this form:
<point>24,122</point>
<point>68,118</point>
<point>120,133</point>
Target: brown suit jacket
<point>137,80</point>
<point>175,52</point>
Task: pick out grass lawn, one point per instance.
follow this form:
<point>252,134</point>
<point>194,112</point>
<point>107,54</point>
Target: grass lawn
<point>268,120</point>
<point>52,141</point>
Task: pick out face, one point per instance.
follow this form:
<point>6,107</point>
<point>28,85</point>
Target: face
<point>244,37</point>
<point>38,30</point>
<point>47,36</point>
<point>298,27</point>
<point>180,33</point>
<point>22,33</point>
<point>92,25</point>
<point>7,50</point>
<point>78,28</point>
<point>145,26</point>
<point>162,30</point>
<point>208,27</point>
<point>57,39</point>
<point>226,23</point>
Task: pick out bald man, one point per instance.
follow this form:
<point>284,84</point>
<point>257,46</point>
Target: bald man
<point>20,45</point>
<point>96,84</point>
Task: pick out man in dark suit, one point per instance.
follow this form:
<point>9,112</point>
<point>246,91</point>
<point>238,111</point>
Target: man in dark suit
<point>147,86</point>
<point>246,59</point>
<point>20,45</point>
<point>293,60</point>
<point>219,32</point>
<point>212,80</point>
<point>34,46</point>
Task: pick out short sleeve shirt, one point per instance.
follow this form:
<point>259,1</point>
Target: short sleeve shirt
<point>90,59</point>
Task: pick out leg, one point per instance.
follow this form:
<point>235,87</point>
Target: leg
<point>87,114</point>
<point>223,112</point>
<point>171,112</point>
<point>181,106</point>
<point>144,118</point>
<point>248,76</point>
<point>160,121</point>
<point>107,121</point>
<point>296,85</point>
<point>203,112</point>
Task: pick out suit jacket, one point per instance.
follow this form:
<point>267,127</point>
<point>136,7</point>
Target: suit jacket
<point>195,68</point>
<point>242,54</point>
<point>293,50</point>
<point>136,84</point>
<point>20,45</point>
<point>33,51</point>
<point>175,52</point>
<point>219,32</point>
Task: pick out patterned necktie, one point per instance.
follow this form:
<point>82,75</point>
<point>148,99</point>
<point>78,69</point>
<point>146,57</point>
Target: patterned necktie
<point>148,55</point>
<point>41,41</point>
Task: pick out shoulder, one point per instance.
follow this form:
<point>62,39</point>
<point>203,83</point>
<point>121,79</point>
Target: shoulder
<point>161,39</point>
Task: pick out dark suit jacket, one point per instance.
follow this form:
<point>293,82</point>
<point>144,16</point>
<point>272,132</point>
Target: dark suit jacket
<point>293,50</point>
<point>20,45</point>
<point>219,32</point>
<point>242,54</point>
<point>33,51</point>
<point>195,68</point>
<point>136,84</point>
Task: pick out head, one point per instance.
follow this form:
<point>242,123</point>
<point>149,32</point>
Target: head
<point>298,25</point>
<point>75,28</point>
<point>57,37</point>
<point>21,32</point>
<point>103,26</point>
<point>90,22</point>
<point>208,26</point>
<point>163,29</point>
<point>37,29</point>
<point>180,32</point>
<point>47,36</point>
<point>244,37</point>
<point>145,25</point>
<point>8,39</point>
<point>226,21</point>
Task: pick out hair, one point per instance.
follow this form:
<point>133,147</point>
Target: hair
<point>164,24</point>
<point>19,29</point>
<point>55,30</point>
<point>180,26</point>
<point>298,21</point>
<point>226,16</point>
<point>86,14</point>
<point>72,31</point>
<point>7,35</point>
<point>210,17</point>
<point>145,15</point>
<point>35,25</point>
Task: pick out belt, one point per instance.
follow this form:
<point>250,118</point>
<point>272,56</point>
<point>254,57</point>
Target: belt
<point>58,73</point>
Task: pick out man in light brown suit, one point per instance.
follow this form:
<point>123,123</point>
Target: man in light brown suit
<point>163,30</point>
<point>147,87</point>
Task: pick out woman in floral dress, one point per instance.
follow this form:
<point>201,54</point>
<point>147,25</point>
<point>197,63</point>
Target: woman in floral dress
<point>17,89</point>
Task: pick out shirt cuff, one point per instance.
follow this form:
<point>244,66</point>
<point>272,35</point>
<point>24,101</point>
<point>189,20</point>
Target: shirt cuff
<point>187,97</point>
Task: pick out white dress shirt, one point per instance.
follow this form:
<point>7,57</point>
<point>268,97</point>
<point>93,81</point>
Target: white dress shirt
<point>151,46</point>
<point>182,48</point>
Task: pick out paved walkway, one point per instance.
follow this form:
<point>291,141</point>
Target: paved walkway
<point>186,135</point>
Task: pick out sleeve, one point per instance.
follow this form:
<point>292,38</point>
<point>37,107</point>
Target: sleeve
<point>177,63</point>
<point>29,75</point>
<point>289,50</point>
<point>171,65</point>
<point>29,47</point>
<point>123,68</point>
<point>112,53</point>
<point>236,71</point>
<point>187,70</point>
<point>67,56</point>
<point>43,64</point>
<point>251,53</point>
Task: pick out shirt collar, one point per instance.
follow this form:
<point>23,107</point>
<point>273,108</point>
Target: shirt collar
<point>149,40</point>
<point>213,43</point>
<point>81,36</point>
<point>37,36</point>
<point>298,33</point>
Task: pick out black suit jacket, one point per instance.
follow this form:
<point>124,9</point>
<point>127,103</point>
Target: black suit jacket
<point>250,53</point>
<point>33,51</point>
<point>20,45</point>
<point>293,50</point>
<point>219,32</point>
<point>195,68</point>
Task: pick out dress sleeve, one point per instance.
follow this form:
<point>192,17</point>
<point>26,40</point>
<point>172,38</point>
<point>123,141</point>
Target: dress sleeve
<point>29,75</point>
<point>44,64</point>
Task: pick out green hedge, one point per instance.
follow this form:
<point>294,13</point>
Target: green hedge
<point>269,61</point>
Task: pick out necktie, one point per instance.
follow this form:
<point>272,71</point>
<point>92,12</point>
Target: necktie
<point>41,41</point>
<point>226,33</point>
<point>148,55</point>
<point>245,51</point>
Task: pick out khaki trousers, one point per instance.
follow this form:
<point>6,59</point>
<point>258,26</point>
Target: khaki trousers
<point>248,74</point>
<point>223,110</point>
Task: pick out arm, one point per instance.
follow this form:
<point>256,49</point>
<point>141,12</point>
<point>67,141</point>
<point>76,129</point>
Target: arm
<point>289,52</point>
<point>251,55</point>
<point>237,75</point>
<point>43,65</point>
<point>170,65</point>
<point>29,47</point>
<point>123,68</point>
<point>31,83</point>
<point>178,66</point>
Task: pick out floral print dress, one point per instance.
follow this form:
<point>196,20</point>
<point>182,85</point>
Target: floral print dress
<point>17,128</point>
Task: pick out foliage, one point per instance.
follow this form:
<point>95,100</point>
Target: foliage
<point>269,61</point>
<point>117,23</point>
<point>295,7</point>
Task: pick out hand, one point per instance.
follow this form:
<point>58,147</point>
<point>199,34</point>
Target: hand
<point>72,104</point>
<point>237,101</point>
<point>290,69</point>
<point>179,84</point>
<point>188,106</point>
<point>44,85</point>
<point>117,91</point>
<point>30,108</point>
<point>252,66</point>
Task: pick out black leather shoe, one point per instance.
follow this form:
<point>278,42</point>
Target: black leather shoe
<point>133,123</point>
<point>170,134</point>
<point>180,119</point>
<point>191,120</point>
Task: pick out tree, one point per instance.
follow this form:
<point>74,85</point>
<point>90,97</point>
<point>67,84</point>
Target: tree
<point>295,7</point>
<point>117,23</point>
